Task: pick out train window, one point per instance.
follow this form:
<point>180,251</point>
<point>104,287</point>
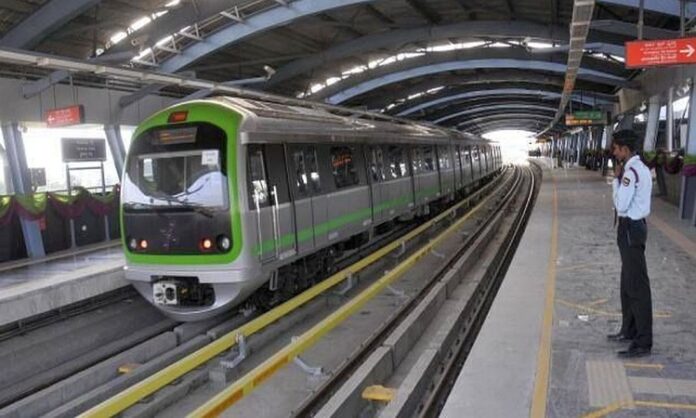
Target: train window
<point>444,158</point>
<point>313,169</point>
<point>305,170</point>
<point>397,160</point>
<point>301,176</point>
<point>258,184</point>
<point>417,162</point>
<point>429,159</point>
<point>376,164</point>
<point>343,167</point>
<point>457,156</point>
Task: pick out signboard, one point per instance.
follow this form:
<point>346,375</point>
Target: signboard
<point>663,52</point>
<point>586,117</point>
<point>65,116</point>
<point>83,149</point>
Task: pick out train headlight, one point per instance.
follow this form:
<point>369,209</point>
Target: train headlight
<point>206,244</point>
<point>223,243</point>
<point>143,244</point>
<point>133,244</point>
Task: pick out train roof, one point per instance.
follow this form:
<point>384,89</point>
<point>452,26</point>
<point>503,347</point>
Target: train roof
<point>300,118</point>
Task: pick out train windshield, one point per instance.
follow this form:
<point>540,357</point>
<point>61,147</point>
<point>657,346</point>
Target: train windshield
<point>177,168</point>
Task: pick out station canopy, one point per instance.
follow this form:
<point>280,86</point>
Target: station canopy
<point>474,65</point>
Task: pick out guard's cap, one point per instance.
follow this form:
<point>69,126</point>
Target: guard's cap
<point>626,137</point>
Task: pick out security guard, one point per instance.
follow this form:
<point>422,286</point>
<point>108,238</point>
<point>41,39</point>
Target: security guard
<point>632,187</point>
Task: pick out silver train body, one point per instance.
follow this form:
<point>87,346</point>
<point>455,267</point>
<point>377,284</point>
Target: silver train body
<point>309,184</point>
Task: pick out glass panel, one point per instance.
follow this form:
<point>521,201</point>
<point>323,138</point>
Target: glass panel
<point>257,177</point>
<point>300,171</point>
<point>43,151</point>
<point>429,158</point>
<point>444,158</point>
<point>177,175</point>
<point>313,169</point>
<point>343,167</point>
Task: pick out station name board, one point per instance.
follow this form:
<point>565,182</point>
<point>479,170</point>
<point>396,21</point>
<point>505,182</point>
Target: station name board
<point>83,149</point>
<point>662,52</point>
<point>586,117</point>
<point>65,116</point>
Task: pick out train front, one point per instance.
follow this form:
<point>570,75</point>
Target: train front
<point>179,213</point>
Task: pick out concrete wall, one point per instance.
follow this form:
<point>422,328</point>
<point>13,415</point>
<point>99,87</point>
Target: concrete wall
<point>100,105</point>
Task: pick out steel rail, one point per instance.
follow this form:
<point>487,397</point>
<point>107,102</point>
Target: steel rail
<point>442,386</point>
<point>153,383</point>
<point>309,406</point>
<point>255,378</point>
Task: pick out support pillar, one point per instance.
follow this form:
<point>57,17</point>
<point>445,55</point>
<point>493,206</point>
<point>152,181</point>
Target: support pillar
<point>118,151</point>
<point>653,122</point>
<point>669,145</point>
<point>606,145</point>
<point>21,182</point>
<point>687,200</point>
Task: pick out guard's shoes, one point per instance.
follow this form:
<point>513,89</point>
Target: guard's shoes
<point>634,351</point>
<point>618,337</point>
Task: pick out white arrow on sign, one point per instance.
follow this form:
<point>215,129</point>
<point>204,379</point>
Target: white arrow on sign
<point>689,51</point>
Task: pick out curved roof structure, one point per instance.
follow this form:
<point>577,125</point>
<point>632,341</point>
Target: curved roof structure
<point>446,61</point>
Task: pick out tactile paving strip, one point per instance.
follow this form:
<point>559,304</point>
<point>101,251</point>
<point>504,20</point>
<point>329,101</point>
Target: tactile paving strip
<point>607,383</point>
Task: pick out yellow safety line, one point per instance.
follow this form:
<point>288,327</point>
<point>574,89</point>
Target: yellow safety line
<point>667,405</point>
<point>541,382</point>
<point>607,410</point>
<point>644,366</point>
<point>581,266</point>
<point>146,387</point>
<point>598,302</point>
<point>603,312</point>
<point>645,404</point>
<point>252,380</point>
<point>677,237</point>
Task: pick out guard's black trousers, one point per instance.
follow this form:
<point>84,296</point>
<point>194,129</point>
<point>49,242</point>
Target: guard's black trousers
<point>636,302</point>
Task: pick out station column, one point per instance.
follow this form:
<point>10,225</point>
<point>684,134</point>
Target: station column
<point>687,201</point>
<point>21,182</point>
<point>652,124</point>
<point>118,151</point>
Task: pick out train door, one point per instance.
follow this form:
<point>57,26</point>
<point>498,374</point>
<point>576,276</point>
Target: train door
<point>269,201</point>
<point>459,180</point>
<point>468,167</point>
<point>305,184</point>
<point>320,201</point>
<point>375,165</point>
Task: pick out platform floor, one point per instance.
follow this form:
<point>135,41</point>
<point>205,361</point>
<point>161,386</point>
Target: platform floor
<point>543,351</point>
<point>35,287</point>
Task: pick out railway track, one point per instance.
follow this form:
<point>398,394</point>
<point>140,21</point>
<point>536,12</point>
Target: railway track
<point>214,338</point>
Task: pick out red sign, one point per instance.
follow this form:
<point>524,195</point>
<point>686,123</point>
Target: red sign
<point>64,116</point>
<point>661,52</point>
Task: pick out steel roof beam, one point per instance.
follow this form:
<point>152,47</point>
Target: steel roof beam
<point>49,17</point>
<point>666,7</point>
<point>484,109</point>
<point>254,25</point>
<point>348,91</point>
<point>542,94</point>
<point>505,115</point>
<point>424,34</point>
<point>631,29</point>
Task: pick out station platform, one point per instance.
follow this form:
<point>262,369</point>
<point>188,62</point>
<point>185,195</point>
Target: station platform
<point>34,287</point>
<point>542,350</point>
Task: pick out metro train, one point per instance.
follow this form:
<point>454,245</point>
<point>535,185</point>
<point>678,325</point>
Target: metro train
<point>225,200</point>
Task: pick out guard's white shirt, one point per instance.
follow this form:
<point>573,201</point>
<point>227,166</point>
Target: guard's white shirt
<point>632,192</point>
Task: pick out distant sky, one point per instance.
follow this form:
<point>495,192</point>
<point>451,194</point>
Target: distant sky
<point>514,144</point>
